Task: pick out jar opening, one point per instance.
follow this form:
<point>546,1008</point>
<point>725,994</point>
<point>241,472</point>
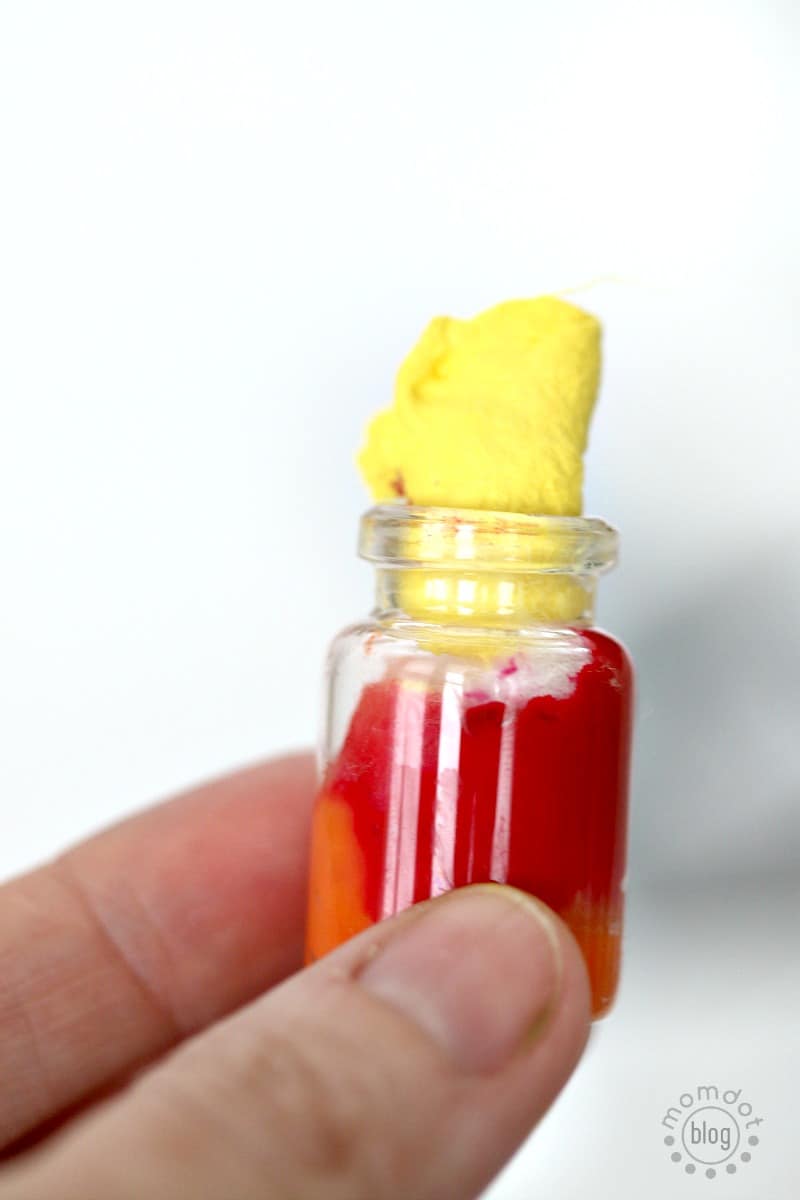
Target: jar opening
<point>400,535</point>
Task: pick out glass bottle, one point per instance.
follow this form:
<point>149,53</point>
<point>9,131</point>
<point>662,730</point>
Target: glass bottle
<point>477,727</point>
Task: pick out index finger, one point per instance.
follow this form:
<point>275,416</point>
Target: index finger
<point>146,933</point>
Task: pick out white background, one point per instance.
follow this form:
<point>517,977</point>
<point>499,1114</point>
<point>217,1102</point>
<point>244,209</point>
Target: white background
<point>221,228</point>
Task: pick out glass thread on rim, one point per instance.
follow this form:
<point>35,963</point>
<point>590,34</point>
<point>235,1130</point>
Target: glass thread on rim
<point>411,536</point>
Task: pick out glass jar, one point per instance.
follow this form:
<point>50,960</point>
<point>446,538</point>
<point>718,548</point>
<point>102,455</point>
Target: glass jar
<point>477,727</point>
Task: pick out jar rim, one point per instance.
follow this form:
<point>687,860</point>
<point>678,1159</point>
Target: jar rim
<point>402,535</point>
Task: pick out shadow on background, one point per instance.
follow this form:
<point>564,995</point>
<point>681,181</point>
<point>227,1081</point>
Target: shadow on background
<point>716,774</point>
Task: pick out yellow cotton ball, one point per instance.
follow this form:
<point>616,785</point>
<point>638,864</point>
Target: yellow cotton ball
<point>491,413</point>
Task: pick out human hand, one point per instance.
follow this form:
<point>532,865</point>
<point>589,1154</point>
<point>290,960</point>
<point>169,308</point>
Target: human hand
<point>409,1063</point>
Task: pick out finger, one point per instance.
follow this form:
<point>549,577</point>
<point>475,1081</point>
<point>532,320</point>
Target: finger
<point>410,1062</point>
<point>148,932</point>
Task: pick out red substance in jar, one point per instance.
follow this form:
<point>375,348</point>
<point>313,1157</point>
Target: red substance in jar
<point>432,791</point>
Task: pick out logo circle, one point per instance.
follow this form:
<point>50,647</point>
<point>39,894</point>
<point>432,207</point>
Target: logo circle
<point>710,1135</point>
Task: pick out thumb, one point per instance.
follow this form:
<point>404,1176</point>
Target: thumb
<point>410,1062</point>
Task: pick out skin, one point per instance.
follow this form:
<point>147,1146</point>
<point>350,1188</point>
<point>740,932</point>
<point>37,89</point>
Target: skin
<point>158,1037</point>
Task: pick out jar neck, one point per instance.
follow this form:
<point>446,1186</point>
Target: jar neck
<point>460,566</point>
<point>487,598</point>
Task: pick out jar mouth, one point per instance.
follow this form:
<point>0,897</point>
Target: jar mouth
<point>402,535</point>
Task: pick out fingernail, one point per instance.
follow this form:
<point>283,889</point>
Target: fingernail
<point>478,972</point>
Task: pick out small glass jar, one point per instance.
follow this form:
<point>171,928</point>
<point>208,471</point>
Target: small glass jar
<point>477,727</point>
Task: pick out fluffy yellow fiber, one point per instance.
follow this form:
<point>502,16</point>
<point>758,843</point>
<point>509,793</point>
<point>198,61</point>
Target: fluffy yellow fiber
<point>491,413</point>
